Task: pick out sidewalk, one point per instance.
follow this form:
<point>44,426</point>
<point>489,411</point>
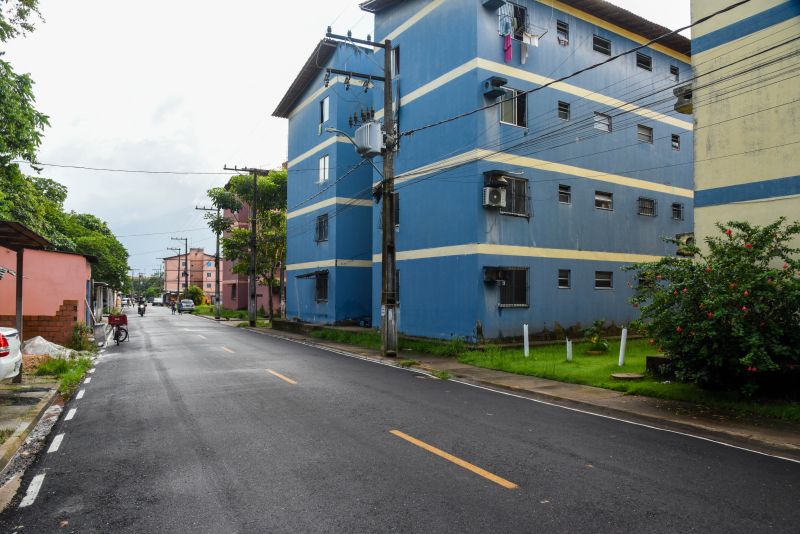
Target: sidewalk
<point>769,436</point>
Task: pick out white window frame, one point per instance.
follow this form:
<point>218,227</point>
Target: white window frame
<point>610,280</point>
<point>511,99</point>
<point>565,190</point>
<point>604,197</point>
<point>602,122</point>
<point>677,207</point>
<point>324,110</point>
<point>324,168</point>
<point>568,278</point>
<point>644,134</point>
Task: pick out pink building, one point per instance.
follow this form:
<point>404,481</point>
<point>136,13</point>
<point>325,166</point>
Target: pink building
<point>199,268</point>
<point>55,289</point>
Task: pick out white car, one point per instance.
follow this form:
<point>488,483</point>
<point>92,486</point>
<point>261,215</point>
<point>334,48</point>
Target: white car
<point>10,353</point>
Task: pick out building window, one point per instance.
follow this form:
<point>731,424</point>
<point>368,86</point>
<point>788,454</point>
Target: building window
<point>601,45</point>
<point>183,264</point>
<point>603,201</point>
<point>602,121</point>
<point>647,207</point>
<point>208,286</point>
<point>676,142</point>
<point>603,280</point>
<point>644,134</point>
<point>233,291</point>
<point>677,211</point>
<point>324,110</point>
<point>321,233</point>
<point>643,61</point>
<point>565,194</point>
<point>564,281</point>
<point>563,111</point>
<point>321,287</point>
<point>323,168</point>
<point>562,32</point>
<point>513,284</point>
<point>674,72</point>
<point>514,108</point>
<point>516,197</point>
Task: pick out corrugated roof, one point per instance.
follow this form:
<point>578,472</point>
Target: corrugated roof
<point>15,236</point>
<point>316,61</point>
<point>598,8</point>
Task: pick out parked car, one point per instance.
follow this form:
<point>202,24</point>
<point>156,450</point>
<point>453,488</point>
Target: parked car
<point>187,306</point>
<point>10,352</point>
<point>158,301</point>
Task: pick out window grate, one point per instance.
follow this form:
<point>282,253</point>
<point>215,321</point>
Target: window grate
<point>644,133</point>
<point>562,32</point>
<point>647,207</point>
<point>676,142</point>
<point>513,283</point>
<point>674,72</point>
<point>601,45</point>
<point>321,287</point>
<point>643,61</point>
<point>321,233</point>
<point>677,211</point>
<point>516,197</point>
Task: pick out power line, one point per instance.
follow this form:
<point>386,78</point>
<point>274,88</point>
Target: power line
<point>136,171</point>
<point>573,74</point>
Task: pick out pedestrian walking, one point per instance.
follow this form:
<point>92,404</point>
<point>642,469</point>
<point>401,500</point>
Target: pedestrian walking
<point>172,307</point>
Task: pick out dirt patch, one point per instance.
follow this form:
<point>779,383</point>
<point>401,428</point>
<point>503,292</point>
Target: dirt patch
<point>31,362</point>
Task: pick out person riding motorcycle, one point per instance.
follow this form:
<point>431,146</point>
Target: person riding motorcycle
<point>142,307</point>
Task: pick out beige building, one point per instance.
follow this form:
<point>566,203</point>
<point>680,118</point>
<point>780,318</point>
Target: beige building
<point>199,269</point>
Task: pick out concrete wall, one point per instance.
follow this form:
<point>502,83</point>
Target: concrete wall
<point>748,123</point>
<point>50,279</point>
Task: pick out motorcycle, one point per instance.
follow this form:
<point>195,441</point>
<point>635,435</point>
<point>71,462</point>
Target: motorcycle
<point>142,307</point>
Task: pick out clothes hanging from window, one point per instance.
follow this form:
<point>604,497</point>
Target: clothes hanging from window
<point>527,39</point>
<point>507,48</point>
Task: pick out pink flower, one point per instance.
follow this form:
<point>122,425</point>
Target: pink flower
<point>684,290</point>
<point>744,309</point>
<point>710,315</point>
<point>748,246</point>
<point>728,231</point>
<point>746,293</point>
<point>708,269</point>
<point>785,266</point>
<point>678,329</point>
<point>733,285</point>
<point>675,293</point>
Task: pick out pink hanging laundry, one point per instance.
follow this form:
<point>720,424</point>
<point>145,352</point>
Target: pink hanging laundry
<point>507,47</point>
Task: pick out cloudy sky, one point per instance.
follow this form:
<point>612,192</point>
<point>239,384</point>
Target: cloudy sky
<point>178,85</point>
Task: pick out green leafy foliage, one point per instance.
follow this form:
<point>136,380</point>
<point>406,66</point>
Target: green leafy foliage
<point>597,343</point>
<point>196,294</point>
<point>730,317</point>
<point>16,17</point>
<point>21,125</point>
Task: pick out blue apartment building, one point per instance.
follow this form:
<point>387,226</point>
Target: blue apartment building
<point>523,210</point>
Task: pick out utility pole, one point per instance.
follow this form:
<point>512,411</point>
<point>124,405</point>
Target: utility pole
<point>216,266</point>
<point>186,257</point>
<point>178,273</point>
<point>252,305</point>
<point>388,260</point>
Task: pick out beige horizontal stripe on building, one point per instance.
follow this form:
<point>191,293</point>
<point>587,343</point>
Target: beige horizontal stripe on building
<point>329,202</point>
<point>519,251</point>
<point>310,152</point>
<point>328,263</point>
<point>314,96</point>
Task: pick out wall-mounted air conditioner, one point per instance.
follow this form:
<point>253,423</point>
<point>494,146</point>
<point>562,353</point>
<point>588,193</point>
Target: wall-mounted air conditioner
<point>493,87</point>
<point>494,197</point>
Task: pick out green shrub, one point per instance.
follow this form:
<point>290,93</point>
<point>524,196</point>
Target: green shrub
<point>597,343</point>
<point>53,367</point>
<point>80,338</point>
<point>729,318</point>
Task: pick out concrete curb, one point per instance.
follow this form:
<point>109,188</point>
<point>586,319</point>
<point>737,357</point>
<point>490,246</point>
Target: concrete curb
<point>12,444</point>
<point>681,425</point>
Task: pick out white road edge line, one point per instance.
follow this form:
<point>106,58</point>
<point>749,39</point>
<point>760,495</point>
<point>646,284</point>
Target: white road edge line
<point>201,335</point>
<point>33,491</point>
<point>539,401</point>
<point>70,414</point>
<point>88,379</point>
<point>80,394</point>
<point>56,443</point>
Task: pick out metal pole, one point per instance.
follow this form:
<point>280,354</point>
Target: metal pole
<point>252,281</point>
<point>216,282</point>
<point>388,278</point>
<point>20,271</point>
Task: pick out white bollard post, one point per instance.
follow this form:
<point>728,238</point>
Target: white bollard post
<point>569,350</point>
<point>622,346</point>
<point>525,336</point>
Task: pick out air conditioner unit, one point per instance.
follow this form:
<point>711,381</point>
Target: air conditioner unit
<point>494,197</point>
<point>684,103</point>
<point>684,241</point>
<point>493,87</point>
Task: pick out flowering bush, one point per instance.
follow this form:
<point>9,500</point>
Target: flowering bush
<point>729,318</point>
<point>597,343</point>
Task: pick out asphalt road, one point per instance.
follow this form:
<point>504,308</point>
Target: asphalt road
<point>198,427</point>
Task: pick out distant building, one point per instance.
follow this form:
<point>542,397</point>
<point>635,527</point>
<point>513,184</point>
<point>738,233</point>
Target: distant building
<point>199,268</point>
<point>747,114</point>
<point>523,211</point>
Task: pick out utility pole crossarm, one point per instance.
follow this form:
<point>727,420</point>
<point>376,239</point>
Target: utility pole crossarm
<point>351,74</point>
<point>349,39</point>
<point>216,267</point>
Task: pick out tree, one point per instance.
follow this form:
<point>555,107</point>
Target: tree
<point>196,294</point>
<point>729,318</point>
<point>270,228</point>
<point>16,18</point>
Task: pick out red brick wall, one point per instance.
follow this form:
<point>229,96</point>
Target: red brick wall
<point>56,328</point>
